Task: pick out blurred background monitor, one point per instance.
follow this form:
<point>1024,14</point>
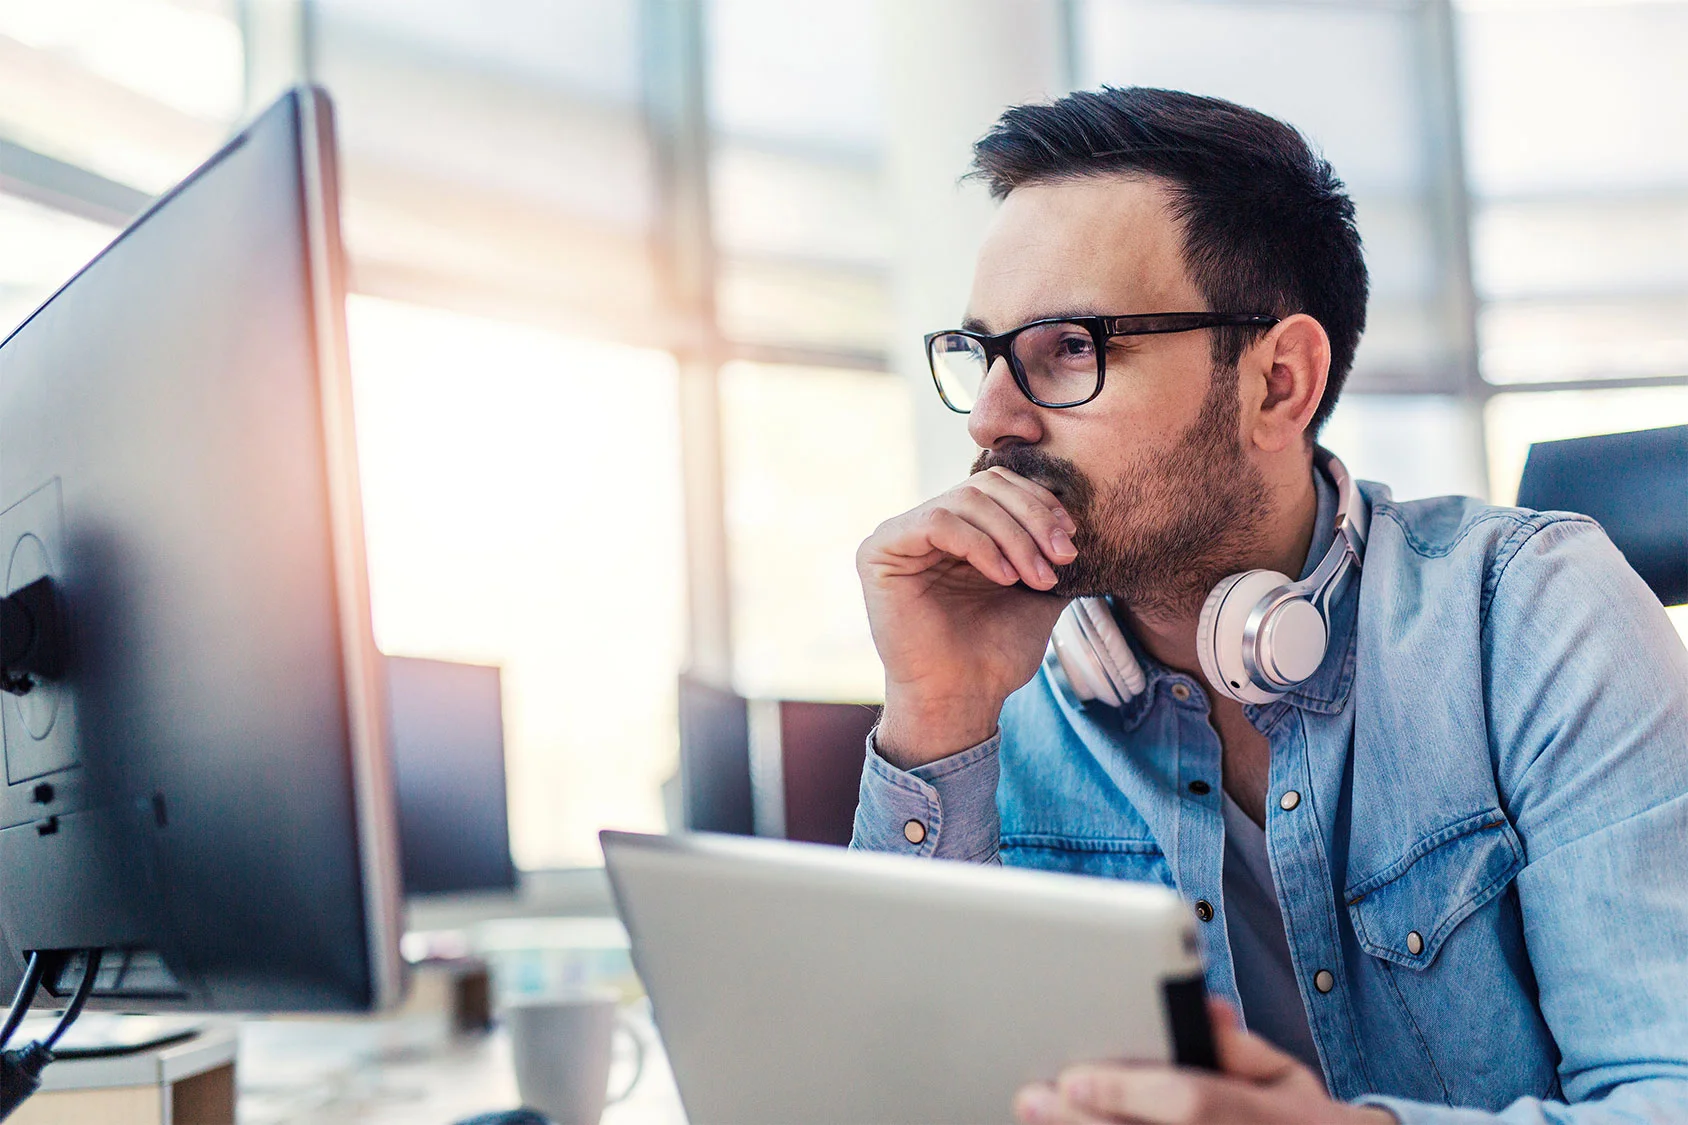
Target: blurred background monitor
<point>821,750</point>
<point>1635,484</point>
<point>448,768</point>
<point>202,789</point>
<point>772,767</point>
<point>715,789</point>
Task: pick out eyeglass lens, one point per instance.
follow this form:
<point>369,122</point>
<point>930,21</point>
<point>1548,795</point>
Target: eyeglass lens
<point>1058,361</point>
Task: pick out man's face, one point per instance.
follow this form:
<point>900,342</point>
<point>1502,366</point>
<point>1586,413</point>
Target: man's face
<point>1153,470</point>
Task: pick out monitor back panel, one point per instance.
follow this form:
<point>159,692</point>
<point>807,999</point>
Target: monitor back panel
<point>190,795</point>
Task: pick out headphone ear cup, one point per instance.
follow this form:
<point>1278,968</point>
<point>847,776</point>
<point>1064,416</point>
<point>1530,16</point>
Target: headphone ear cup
<point>1094,655</point>
<point>1112,650</point>
<point>1205,647</point>
<point>1086,677</point>
<point>1219,634</point>
<point>1291,642</point>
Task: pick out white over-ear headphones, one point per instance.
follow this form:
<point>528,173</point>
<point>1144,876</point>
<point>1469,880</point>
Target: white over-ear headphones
<point>1260,634</point>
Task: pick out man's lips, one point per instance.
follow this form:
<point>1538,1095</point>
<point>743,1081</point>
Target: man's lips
<point>1059,491</point>
<point>1063,482</point>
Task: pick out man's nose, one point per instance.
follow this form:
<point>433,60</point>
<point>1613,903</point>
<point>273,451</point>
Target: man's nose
<point>1002,412</point>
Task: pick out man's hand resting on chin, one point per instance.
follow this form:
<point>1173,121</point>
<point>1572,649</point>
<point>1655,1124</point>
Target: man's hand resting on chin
<point>1260,1085</point>
<point>954,602</point>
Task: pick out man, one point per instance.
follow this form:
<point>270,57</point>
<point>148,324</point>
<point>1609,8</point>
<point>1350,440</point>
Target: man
<point>1440,856</point>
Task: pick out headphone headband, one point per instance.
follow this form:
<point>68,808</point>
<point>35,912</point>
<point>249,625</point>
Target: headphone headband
<point>1349,545</point>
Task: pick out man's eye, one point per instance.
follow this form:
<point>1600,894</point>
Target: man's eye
<point>1076,345</point>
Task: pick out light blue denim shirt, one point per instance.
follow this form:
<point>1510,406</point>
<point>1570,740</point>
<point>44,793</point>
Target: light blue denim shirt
<point>1488,845</point>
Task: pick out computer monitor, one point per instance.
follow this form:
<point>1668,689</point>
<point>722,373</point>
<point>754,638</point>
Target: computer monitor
<point>196,752</point>
<point>715,789</point>
<point>781,767</point>
<point>822,750</point>
<point>448,765</point>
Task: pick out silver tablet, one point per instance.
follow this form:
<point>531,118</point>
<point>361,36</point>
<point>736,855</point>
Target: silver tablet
<point>796,983</point>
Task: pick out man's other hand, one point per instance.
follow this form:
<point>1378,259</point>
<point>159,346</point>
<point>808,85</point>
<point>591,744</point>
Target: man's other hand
<point>1259,1084</point>
<point>954,599</point>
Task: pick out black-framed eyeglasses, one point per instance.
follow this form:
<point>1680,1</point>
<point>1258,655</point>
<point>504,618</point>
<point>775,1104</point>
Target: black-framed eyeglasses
<point>1057,362</point>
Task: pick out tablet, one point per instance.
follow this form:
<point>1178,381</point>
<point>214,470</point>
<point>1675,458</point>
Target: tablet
<point>799,983</point>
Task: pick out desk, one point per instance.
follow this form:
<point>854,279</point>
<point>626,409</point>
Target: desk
<point>396,1072</point>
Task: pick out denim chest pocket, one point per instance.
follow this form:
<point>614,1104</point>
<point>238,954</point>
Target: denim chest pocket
<point>1136,860</point>
<point>1447,944</point>
<point>1405,912</point>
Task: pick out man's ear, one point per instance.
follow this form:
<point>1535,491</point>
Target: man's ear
<point>1290,365</point>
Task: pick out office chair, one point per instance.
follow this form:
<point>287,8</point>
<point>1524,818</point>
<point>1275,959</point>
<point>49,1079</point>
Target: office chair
<point>1635,485</point>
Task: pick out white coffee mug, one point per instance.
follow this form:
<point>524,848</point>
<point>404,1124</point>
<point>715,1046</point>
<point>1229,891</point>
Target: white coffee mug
<point>562,1046</point>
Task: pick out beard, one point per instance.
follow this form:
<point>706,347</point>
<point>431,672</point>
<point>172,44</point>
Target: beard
<point>1164,532</point>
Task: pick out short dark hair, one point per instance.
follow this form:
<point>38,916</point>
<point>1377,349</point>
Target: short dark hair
<point>1268,227</point>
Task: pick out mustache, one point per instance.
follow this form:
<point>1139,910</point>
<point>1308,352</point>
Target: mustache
<point>1057,474</point>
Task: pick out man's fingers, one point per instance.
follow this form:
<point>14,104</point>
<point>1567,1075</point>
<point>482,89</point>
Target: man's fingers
<point>985,512</point>
<point>1261,1084</point>
<point>998,522</point>
<point>956,536</point>
<point>1043,495</point>
<point>1245,1055</point>
<point>1159,1095</point>
<point>1040,1104</point>
<point>1035,508</point>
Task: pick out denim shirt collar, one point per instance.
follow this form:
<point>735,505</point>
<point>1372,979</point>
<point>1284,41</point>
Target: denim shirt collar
<point>1326,691</point>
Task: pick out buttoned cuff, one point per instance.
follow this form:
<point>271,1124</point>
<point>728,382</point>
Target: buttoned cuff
<point>945,809</point>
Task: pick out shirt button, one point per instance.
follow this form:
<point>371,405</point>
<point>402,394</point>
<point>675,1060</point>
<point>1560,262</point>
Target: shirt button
<point>1181,692</point>
<point>1415,943</point>
<point>1289,800</point>
<point>1204,910</point>
<point>914,832</point>
<point>1323,981</point>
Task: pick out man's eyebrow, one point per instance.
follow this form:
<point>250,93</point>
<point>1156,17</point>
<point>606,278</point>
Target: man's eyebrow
<point>974,324</point>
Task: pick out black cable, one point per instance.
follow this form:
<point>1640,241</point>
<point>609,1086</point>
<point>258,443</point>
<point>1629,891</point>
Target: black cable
<point>20,1068</point>
<point>26,993</point>
<point>83,990</point>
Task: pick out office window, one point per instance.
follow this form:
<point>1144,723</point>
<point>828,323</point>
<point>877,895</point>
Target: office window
<point>39,251</point>
<point>804,74</point>
<point>140,91</point>
<point>522,494</point>
<point>495,160</point>
<point>1419,445</point>
<point>1580,193</point>
<point>798,206</point>
<point>815,460</point>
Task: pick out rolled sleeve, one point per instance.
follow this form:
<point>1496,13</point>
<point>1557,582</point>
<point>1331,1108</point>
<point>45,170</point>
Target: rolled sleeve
<point>945,809</point>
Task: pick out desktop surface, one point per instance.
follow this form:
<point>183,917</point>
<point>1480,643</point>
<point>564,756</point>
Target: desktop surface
<point>390,1072</point>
